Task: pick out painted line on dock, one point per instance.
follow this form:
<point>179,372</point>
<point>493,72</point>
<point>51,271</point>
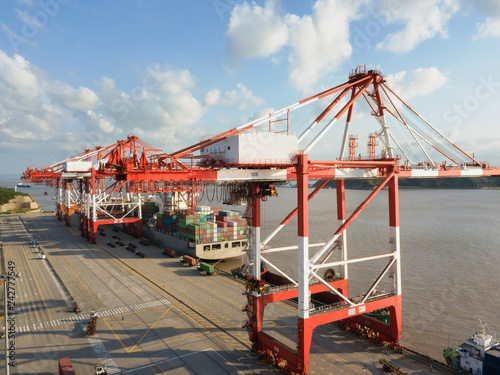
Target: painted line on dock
<point>102,353</point>
<point>184,356</point>
<point>83,317</point>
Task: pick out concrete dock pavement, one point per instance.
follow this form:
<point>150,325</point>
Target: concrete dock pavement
<point>155,314</point>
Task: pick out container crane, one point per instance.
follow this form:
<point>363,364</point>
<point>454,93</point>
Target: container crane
<point>410,147</point>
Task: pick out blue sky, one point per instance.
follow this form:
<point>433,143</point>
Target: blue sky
<point>76,74</point>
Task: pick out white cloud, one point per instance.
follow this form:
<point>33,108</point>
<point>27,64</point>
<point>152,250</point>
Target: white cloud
<point>316,44</point>
<point>19,86</point>
<point>256,31</point>
<point>25,112</point>
<point>490,28</point>
<point>82,98</point>
<point>423,20</point>
<point>161,106</point>
<point>55,119</point>
<point>320,42</point>
<point>242,98</point>
<point>420,82</point>
<point>259,114</point>
<point>212,98</point>
<point>97,121</point>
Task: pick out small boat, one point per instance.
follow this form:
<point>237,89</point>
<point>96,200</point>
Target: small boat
<point>20,184</point>
<point>479,354</point>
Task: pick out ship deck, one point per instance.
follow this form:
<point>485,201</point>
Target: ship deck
<point>156,314</point>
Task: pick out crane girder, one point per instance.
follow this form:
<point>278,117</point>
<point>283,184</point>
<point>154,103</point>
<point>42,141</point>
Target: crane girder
<point>108,191</point>
<point>132,159</point>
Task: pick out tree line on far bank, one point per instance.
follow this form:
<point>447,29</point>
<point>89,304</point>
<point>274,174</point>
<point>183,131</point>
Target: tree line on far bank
<point>425,183</point>
<point>7,194</point>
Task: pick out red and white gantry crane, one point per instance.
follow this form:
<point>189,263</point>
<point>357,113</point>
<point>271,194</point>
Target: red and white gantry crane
<point>410,147</point>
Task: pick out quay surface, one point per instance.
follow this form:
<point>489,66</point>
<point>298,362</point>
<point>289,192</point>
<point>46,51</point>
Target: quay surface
<point>156,316</point>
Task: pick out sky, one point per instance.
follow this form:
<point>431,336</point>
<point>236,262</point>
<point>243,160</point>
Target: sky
<point>77,74</point>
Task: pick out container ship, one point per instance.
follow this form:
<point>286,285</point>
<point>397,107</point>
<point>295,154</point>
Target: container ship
<point>206,233</point>
<point>478,355</point>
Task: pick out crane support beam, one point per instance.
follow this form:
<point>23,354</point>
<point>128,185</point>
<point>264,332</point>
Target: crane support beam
<point>105,185</point>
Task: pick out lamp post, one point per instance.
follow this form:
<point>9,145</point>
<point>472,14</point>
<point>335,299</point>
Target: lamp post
<point>6,333</point>
<point>7,372</point>
<point>3,277</point>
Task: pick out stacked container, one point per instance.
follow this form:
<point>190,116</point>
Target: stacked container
<point>148,210</point>
<point>211,225</point>
<point>159,220</point>
<point>170,220</point>
<point>230,226</point>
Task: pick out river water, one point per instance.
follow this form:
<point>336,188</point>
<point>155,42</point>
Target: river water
<point>449,247</point>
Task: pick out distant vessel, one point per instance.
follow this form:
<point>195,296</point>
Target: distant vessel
<point>478,355</point>
<point>20,184</point>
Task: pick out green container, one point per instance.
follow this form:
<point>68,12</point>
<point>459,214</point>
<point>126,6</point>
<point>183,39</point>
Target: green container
<point>194,227</point>
<point>209,269</point>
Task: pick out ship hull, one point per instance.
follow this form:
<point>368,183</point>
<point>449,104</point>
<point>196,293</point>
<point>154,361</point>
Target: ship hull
<point>207,251</point>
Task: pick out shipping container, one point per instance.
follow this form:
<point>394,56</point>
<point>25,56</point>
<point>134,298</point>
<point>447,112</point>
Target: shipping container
<point>189,260</point>
<point>65,367</point>
<point>208,268</point>
<point>170,252</point>
<point>492,362</point>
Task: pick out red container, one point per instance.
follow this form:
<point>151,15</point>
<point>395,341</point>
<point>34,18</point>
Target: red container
<point>65,367</point>
<point>189,260</point>
<point>170,252</point>
<point>144,241</point>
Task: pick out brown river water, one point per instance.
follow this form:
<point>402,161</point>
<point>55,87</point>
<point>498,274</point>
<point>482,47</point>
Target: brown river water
<point>449,248</point>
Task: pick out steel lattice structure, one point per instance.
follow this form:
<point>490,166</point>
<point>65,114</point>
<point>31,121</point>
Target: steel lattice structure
<point>136,167</point>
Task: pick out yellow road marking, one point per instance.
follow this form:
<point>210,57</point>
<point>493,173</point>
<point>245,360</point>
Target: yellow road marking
<point>150,328</point>
<point>126,321</point>
<point>132,322</point>
<point>157,367</point>
<point>155,324</point>
<point>112,330</point>
<point>171,341</point>
<point>182,312</point>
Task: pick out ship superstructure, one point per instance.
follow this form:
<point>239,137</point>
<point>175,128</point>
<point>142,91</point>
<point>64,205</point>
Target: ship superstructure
<point>470,355</point>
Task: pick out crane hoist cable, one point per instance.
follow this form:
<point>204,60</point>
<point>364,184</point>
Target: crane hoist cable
<point>213,194</point>
<point>314,114</point>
